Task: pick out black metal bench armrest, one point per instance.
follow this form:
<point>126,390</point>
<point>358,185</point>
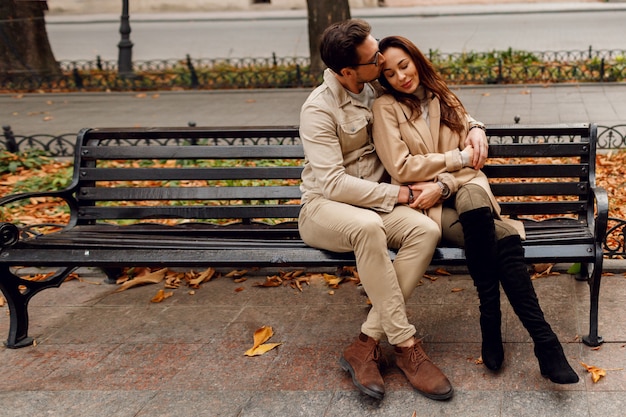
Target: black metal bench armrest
<point>601,217</point>
<point>65,194</point>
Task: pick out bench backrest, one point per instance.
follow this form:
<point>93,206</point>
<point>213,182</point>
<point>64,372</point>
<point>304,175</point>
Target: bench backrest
<point>249,174</point>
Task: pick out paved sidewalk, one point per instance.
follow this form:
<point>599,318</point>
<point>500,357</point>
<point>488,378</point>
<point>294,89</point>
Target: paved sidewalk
<point>101,353</point>
<point>57,114</point>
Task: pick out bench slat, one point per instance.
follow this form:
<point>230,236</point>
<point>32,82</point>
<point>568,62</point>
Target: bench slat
<point>191,152</point>
<point>539,150</point>
<point>190,212</point>
<point>537,208</point>
<point>536,170</point>
<point>178,174</point>
<point>541,189</point>
<point>190,193</point>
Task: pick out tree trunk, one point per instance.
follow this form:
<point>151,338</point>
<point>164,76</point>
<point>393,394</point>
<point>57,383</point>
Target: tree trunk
<point>24,46</point>
<point>322,13</point>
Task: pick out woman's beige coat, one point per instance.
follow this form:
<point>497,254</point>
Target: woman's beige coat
<point>411,151</point>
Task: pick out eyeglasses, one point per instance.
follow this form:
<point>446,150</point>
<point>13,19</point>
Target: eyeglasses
<point>374,62</point>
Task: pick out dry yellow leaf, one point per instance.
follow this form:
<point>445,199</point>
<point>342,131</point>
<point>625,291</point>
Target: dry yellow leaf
<point>260,350</point>
<point>262,335</point>
<point>456,289</point>
<point>151,278</point>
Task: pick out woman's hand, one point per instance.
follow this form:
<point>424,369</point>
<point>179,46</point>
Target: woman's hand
<point>477,139</point>
<point>427,194</point>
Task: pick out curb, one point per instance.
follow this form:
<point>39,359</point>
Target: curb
<point>365,13</point>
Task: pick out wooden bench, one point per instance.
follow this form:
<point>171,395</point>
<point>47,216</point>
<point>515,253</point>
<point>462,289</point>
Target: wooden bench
<point>234,194</point>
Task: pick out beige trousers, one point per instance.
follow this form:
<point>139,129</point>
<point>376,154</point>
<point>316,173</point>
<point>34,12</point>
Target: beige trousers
<point>341,227</point>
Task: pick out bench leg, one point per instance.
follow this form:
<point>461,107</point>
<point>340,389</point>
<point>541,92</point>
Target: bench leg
<point>595,276</point>
<point>18,293</point>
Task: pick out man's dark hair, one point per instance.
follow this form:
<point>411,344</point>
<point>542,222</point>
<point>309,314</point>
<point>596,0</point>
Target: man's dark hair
<point>339,42</point>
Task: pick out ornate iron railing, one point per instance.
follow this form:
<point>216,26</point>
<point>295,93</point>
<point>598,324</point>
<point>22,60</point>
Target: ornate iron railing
<point>495,67</point>
<point>609,137</point>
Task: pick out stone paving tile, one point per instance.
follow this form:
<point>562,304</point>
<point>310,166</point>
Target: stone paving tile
<point>405,404</point>
<point>603,404</point>
<point>288,403</point>
<point>612,358</point>
<point>544,403</point>
<point>52,367</point>
<point>74,403</point>
<point>197,404</point>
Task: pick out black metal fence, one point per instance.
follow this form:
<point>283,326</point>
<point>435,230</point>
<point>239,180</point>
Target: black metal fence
<point>609,137</point>
<point>495,67</point>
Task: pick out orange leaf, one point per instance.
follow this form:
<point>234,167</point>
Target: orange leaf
<point>273,281</point>
<point>236,273</point>
<point>203,277</point>
<point>160,296</point>
<point>596,373</point>
<point>456,289</point>
<point>441,271</point>
<point>151,278</point>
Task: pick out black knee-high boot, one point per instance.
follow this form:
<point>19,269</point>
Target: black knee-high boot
<point>519,289</point>
<point>481,254</point>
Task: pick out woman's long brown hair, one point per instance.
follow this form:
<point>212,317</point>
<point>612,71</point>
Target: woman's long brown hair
<point>452,110</point>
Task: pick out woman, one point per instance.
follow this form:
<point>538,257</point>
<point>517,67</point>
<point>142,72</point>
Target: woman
<point>421,131</point>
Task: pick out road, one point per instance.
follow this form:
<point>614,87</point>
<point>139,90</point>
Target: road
<point>288,37</point>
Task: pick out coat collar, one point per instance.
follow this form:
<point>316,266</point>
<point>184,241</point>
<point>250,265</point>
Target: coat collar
<point>339,91</point>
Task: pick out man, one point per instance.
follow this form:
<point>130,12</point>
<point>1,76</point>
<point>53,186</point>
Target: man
<point>348,205</point>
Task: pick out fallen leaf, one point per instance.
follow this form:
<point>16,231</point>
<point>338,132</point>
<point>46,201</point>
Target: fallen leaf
<point>596,373</point>
<point>456,289</point>
<point>262,335</point>
<point>160,296</point>
<point>332,281</point>
<point>152,278</point>
<point>431,277</point>
<point>203,277</point>
<point>236,273</point>
<point>273,281</point>
<point>441,271</point>
<point>264,348</point>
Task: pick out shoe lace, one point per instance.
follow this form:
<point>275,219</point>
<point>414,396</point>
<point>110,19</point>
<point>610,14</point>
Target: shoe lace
<point>417,354</point>
<point>376,353</point>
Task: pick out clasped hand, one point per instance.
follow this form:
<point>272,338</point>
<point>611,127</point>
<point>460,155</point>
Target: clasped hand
<point>426,195</point>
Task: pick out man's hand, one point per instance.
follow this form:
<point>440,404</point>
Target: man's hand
<point>477,139</point>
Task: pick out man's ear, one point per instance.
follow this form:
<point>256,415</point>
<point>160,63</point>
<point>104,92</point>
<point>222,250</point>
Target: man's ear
<point>347,72</point>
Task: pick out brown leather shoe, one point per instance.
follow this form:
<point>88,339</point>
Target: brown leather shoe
<point>422,373</point>
<point>361,359</point>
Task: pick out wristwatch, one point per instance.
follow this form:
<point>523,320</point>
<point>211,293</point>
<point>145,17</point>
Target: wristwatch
<point>445,190</point>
